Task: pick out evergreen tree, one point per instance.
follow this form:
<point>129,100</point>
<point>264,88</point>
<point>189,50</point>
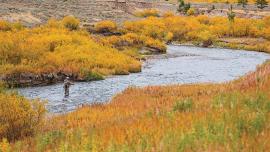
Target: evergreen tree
<point>183,7</point>
<point>261,4</point>
<point>231,14</point>
<point>243,3</point>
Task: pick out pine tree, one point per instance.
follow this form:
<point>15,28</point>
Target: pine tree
<point>231,14</point>
<point>261,4</point>
<point>243,3</point>
<point>183,7</point>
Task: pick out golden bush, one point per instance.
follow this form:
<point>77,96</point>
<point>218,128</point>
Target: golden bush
<point>191,11</point>
<point>168,14</point>
<point>5,26</point>
<point>203,19</point>
<point>152,27</point>
<point>71,22</point>
<point>19,117</point>
<point>106,26</point>
<point>147,13</point>
<point>267,21</point>
<point>54,48</point>
<point>267,33</point>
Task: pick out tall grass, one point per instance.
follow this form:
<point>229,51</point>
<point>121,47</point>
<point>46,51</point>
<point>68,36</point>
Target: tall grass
<point>202,117</point>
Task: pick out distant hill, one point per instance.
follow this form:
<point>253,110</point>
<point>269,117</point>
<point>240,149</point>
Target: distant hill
<point>32,12</point>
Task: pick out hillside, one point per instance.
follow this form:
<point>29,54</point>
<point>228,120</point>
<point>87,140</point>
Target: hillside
<point>33,12</point>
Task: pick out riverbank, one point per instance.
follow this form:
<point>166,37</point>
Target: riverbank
<point>248,44</point>
<point>48,53</point>
<point>205,65</point>
<point>223,117</point>
<point>51,58</point>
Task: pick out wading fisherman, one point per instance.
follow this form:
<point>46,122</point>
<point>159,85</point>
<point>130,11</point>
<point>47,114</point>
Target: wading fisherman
<point>67,84</point>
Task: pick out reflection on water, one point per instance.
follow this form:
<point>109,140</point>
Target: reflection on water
<point>181,65</point>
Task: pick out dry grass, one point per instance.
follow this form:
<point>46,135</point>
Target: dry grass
<point>169,118</point>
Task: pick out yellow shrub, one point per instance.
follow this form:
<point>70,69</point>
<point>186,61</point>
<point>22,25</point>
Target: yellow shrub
<point>153,43</point>
<point>71,22</point>
<point>168,14</point>
<point>106,26</point>
<point>132,39</point>
<point>52,48</point>
<point>5,146</point>
<point>19,116</point>
<point>53,23</point>
<point>169,36</point>
<point>5,26</point>
<point>152,27</point>
<point>203,19</point>
<point>267,33</point>
<point>180,26</point>
<point>191,11</point>
<point>147,13</point>
<point>267,21</point>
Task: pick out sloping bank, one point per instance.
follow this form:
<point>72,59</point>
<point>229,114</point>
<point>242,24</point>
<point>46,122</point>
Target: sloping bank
<point>49,53</point>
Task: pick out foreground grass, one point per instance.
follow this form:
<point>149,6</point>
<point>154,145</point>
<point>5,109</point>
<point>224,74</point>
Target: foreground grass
<point>202,117</point>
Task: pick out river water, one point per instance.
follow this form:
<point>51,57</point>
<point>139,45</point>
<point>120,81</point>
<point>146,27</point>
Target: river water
<point>181,65</point>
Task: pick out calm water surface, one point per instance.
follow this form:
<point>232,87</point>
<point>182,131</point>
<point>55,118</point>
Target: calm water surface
<point>181,65</point>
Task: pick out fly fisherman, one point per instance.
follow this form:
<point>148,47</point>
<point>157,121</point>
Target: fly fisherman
<point>67,84</point>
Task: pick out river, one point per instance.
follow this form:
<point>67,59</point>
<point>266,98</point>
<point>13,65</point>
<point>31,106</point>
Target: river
<point>181,65</point>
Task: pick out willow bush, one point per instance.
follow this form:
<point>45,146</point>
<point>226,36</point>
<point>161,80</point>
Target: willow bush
<point>19,117</point>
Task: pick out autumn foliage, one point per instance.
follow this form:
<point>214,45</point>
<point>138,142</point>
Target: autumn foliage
<point>19,117</point>
<point>106,26</point>
<point>58,46</point>
<point>206,117</point>
<point>147,13</point>
<point>195,29</point>
<point>232,116</point>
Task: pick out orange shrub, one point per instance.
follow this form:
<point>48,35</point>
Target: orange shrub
<point>168,14</point>
<point>191,12</point>
<point>267,33</point>
<point>152,27</point>
<point>19,117</point>
<point>5,26</point>
<point>53,47</point>
<point>71,22</point>
<point>267,21</point>
<point>106,26</point>
<point>203,19</point>
<point>147,13</point>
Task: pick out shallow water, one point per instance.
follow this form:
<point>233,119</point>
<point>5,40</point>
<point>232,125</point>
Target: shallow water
<point>181,65</point>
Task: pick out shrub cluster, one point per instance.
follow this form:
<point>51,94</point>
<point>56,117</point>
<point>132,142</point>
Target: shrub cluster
<point>147,13</point>
<point>199,29</point>
<point>19,117</point>
<point>106,26</point>
<point>59,46</point>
